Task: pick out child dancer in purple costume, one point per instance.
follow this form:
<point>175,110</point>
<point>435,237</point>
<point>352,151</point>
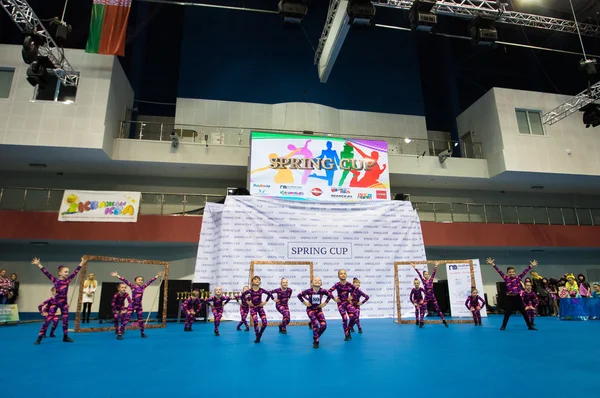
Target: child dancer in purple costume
<point>344,290</point>
<point>356,303</point>
<point>44,309</point>
<point>60,300</point>
<point>282,303</point>
<point>119,309</point>
<point>313,300</point>
<point>190,307</point>
<point>513,299</point>
<point>531,301</point>
<point>217,302</point>
<point>244,309</point>
<point>428,287</point>
<point>416,297</point>
<point>137,293</point>
<point>253,297</point>
<point>474,304</point>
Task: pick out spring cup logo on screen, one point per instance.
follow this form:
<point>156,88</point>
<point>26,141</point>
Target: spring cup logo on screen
<point>318,168</point>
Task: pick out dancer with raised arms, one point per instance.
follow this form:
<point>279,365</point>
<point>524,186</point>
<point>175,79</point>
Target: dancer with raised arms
<point>313,300</point>
<point>513,299</point>
<point>253,297</point>
<point>61,285</point>
<point>344,290</point>
<point>356,303</point>
<point>137,294</point>
<point>282,303</point>
<point>217,303</point>
<point>427,281</point>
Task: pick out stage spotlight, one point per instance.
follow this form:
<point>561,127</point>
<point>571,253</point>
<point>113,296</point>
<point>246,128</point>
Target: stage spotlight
<point>588,66</point>
<point>421,17</point>
<point>483,32</point>
<point>237,192</point>
<point>591,115</point>
<point>31,45</point>
<point>60,31</point>
<point>360,12</point>
<point>37,73</point>
<point>292,11</point>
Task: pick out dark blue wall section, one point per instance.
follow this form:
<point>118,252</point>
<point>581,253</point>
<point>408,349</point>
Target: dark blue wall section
<point>250,57</point>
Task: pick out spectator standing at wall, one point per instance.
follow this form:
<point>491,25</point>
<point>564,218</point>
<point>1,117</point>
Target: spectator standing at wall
<point>4,286</point>
<point>13,290</point>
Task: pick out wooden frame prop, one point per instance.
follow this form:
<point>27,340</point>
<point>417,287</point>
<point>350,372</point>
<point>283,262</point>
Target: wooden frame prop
<point>287,263</point>
<point>132,325</point>
<point>397,289</point>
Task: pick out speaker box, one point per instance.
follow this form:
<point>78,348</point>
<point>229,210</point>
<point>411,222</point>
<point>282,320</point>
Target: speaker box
<point>440,289</point>
<point>105,309</point>
<point>501,289</point>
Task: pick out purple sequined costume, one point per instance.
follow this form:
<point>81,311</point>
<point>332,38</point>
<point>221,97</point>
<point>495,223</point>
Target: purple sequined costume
<point>355,299</point>
<point>137,293</point>
<point>190,304</point>
<point>429,295</point>
<point>283,305</point>
<point>216,306</point>
<point>476,303</point>
<point>117,305</point>
<point>244,309</point>
<point>344,306</point>
<point>45,307</point>
<point>513,296</point>
<point>530,300</point>
<point>416,297</point>
<point>60,301</point>
<point>315,314</point>
<point>255,298</point>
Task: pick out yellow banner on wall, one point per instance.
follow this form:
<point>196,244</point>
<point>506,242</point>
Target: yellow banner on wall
<point>9,313</point>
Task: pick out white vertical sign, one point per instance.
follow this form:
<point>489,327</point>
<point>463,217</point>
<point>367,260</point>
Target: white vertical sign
<point>459,287</point>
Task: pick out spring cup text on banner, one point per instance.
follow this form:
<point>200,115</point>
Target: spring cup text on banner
<point>459,287</point>
<point>318,168</point>
<point>365,238</point>
<point>99,206</point>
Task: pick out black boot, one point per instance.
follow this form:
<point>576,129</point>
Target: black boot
<point>445,323</point>
<point>316,344</point>
<point>144,336</point>
<point>119,337</point>
<point>417,322</point>
<point>66,339</point>
<point>247,329</point>
<point>38,341</point>
<point>421,324</point>
<point>359,330</point>
<point>216,333</point>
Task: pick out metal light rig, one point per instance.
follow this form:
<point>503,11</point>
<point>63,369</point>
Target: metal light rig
<point>23,16</point>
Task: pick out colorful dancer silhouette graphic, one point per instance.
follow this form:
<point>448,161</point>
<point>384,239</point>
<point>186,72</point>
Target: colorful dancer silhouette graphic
<point>282,176</point>
<point>328,153</point>
<point>306,153</point>
<point>371,176</point>
<point>347,153</point>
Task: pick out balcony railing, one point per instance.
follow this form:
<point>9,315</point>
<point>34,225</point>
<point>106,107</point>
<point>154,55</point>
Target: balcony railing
<point>240,136</point>
<point>192,204</point>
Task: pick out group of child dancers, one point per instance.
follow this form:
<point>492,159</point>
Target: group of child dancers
<point>251,301</point>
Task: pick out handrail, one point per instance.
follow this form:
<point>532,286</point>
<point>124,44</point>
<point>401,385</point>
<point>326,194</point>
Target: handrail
<point>240,136</point>
<point>191,204</point>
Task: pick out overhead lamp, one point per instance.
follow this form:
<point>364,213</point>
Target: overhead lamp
<point>360,12</point>
<point>422,19</point>
<point>591,115</point>
<point>31,46</point>
<point>37,73</point>
<point>483,32</point>
<point>407,140</point>
<point>292,11</point>
<point>588,66</point>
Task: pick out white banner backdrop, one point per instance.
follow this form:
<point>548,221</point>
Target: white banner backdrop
<point>459,287</point>
<point>406,278</point>
<point>99,206</point>
<point>365,238</point>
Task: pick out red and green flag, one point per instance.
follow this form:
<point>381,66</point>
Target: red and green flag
<point>108,27</point>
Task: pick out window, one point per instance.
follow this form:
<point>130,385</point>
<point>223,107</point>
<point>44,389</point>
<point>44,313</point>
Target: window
<point>530,122</point>
<point>6,78</point>
<point>55,91</point>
